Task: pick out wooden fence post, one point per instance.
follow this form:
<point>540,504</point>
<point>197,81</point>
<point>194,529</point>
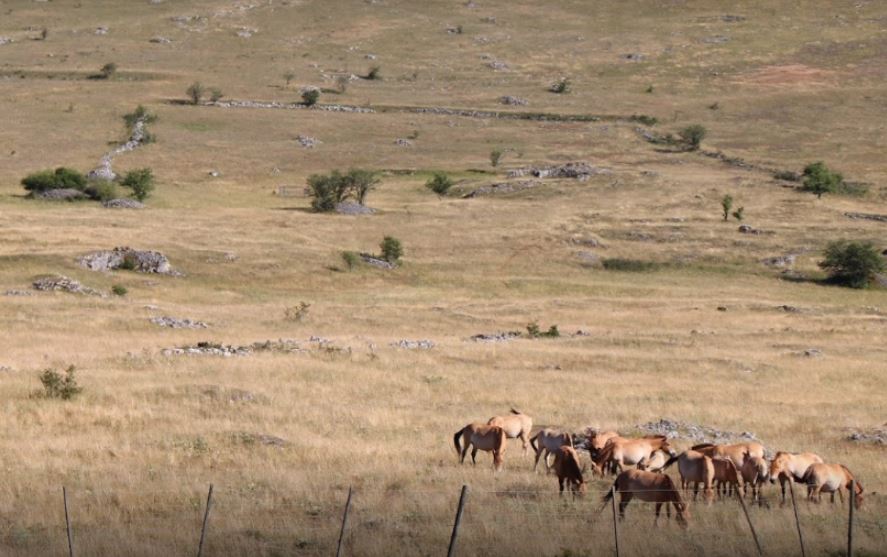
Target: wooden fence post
<point>451,551</point>
<point>750,525</point>
<point>791,489</point>
<point>344,523</point>
<point>850,523</point>
<point>615,520</point>
<point>68,523</point>
<point>209,501</point>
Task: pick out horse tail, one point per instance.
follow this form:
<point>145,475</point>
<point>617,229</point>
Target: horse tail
<point>456,439</point>
<point>533,442</point>
<point>670,461</point>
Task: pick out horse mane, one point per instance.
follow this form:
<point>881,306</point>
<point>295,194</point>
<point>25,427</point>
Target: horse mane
<point>516,412</point>
<point>604,454</point>
<point>850,476</point>
<point>573,465</point>
<point>702,446</point>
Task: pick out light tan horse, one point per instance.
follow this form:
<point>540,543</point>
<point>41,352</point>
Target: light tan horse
<point>623,452</point>
<point>650,487</point>
<point>831,478</point>
<point>696,468</point>
<point>482,437</point>
<point>516,424</point>
<point>735,452</point>
<point>548,441</point>
<point>728,480</point>
<point>754,473</point>
<point>597,440</point>
<point>787,467</point>
<point>568,470</point>
<point>656,462</point>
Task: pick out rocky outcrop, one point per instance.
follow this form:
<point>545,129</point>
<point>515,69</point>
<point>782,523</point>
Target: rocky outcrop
<point>60,194</point>
<point>62,283</point>
<point>685,430</point>
<point>502,187</point>
<point>576,170</point>
<point>123,203</point>
<point>175,323</point>
<point>128,259</point>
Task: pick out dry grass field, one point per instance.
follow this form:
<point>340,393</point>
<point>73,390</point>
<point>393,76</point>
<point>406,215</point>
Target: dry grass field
<point>794,82</point>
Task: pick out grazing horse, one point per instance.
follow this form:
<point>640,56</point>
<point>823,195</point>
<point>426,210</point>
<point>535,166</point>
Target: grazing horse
<point>597,440</point>
<point>549,441</point>
<point>623,452</point>
<point>831,478</point>
<point>735,452</point>
<point>566,466</point>
<point>650,487</point>
<point>516,424</point>
<point>786,467</point>
<point>727,477</point>
<point>483,437</point>
<point>696,468</point>
<point>754,473</point>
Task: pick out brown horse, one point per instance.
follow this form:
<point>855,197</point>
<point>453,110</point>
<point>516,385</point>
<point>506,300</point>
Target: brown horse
<point>620,452</point>
<point>831,478</point>
<point>549,441</point>
<point>516,424</point>
<point>735,452</point>
<point>568,470</point>
<point>754,474</point>
<point>481,437</point>
<point>728,480</point>
<point>650,487</point>
<point>696,468</point>
<point>786,467</point>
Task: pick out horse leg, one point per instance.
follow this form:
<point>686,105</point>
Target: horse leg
<point>538,456</point>
<point>658,508</point>
<point>473,455</point>
<point>547,464</point>
<point>782,485</point>
<point>624,500</point>
<point>695,490</point>
<point>464,452</point>
<point>525,439</point>
<point>841,495</point>
<point>560,483</point>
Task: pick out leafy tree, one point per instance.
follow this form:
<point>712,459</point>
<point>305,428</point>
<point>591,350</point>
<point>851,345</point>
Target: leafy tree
<point>215,94</point>
<point>819,179</point>
<point>139,114</point>
<point>392,250</point>
<point>360,182</point>
<point>692,136</point>
<point>108,70</point>
<point>726,205</point>
<point>140,181</point>
<point>852,264</point>
<point>310,97</point>
<point>739,213</point>
<point>59,178</point>
<point>195,92</point>
<point>439,183</point>
<point>495,157</point>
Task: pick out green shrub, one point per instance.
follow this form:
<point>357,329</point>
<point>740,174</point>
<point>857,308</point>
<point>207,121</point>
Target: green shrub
<point>297,313</point>
<point>534,331</point>
<point>787,175</point>
<point>726,205</point>
<point>374,73</point>
<point>692,136</point>
<point>310,97</point>
<point>59,178</point>
<point>629,265</point>
<point>644,119</point>
<point>649,89</point>
<point>140,181</point>
<point>852,264</point>
<point>108,70</point>
<point>440,183</point>
<point>739,213</point>
<point>328,191</point>
<point>561,86</point>
<point>140,113</point>
<point>195,92</point>
<point>351,259</point>
<point>119,290</point>
<point>129,263</point>
<point>495,157</point>
<point>360,183</point>
<point>56,385</point>
<point>819,179</point>
<point>101,190</point>
<point>392,250</point>
<point>215,94</point>
<point>289,77</point>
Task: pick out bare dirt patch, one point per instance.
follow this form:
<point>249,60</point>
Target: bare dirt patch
<point>788,75</point>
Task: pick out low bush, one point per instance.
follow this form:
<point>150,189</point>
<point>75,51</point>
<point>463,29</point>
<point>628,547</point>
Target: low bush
<point>351,259</point>
<point>297,313</point>
<point>726,205</point>
<point>139,114</point>
<point>392,250</point>
<point>787,175</point>
<point>140,181</point>
<point>119,290</point>
<point>692,136</point>
<point>852,264</point>
<point>61,177</point>
<point>534,331</point>
<point>374,73</point>
<point>101,190</point>
<point>195,92</point>
<point>629,265</point>
<point>439,183</point>
<point>215,94</point>
<point>57,385</point>
<point>310,97</point>
<point>819,179</point>
<point>644,119</point>
<point>107,70</point>
<point>561,86</point>
<point>495,157</point>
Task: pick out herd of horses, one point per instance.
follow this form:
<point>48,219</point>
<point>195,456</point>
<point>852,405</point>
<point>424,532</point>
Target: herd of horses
<point>640,464</point>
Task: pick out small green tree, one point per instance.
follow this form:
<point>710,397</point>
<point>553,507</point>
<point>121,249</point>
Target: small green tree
<point>310,97</point>
<point>351,259</point>
<point>108,70</point>
<point>215,94</point>
<point>692,136</point>
<point>288,77</point>
<point>56,385</point>
<point>140,181</point>
<point>195,92</point>
<point>139,114</point>
<point>726,205</point>
<point>326,191</point>
<point>360,183</point>
<point>739,213</point>
<point>852,264</point>
<point>392,250</point>
<point>439,183</point>
<point>119,290</point>
<point>495,157</point>
<point>819,179</point>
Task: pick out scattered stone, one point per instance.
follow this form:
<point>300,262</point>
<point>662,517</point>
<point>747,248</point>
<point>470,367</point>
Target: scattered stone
<point>370,56</point>
<point>306,141</point>
<point>401,142</point>
<point>207,349</point>
<point>136,260</point>
<point>812,353</point>
<point>717,39</point>
<point>260,439</point>
<point>876,435</point>
<point>634,57</point>
<point>353,208</point>
<point>748,229</point>
<point>685,430</point>
<point>586,241</point>
<point>581,333</point>
<point>63,284</point>
<point>123,204</point>
<point>454,30</point>
<point>513,101</point>
<point>789,309</point>
<point>214,173</point>
<point>413,344</point>
<point>502,187</point>
<point>488,19</point>
<point>728,18</point>
<point>502,336</point>
<point>589,259</point>
<point>18,293</point>
<point>60,194</point>
<point>780,261</point>
<point>5,40</point>
<point>160,40</point>
<point>246,32</point>
<point>101,30</point>
<point>497,65</point>
<point>174,323</point>
<point>722,308</point>
<point>577,170</point>
<point>5,369</point>
<point>370,259</point>
<point>866,216</point>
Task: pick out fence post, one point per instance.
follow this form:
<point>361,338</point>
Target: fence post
<point>615,521</point>
<point>344,523</point>
<point>451,551</point>
<point>850,523</point>
<point>750,525</point>
<point>791,489</point>
<point>68,523</point>
<point>209,501</point>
